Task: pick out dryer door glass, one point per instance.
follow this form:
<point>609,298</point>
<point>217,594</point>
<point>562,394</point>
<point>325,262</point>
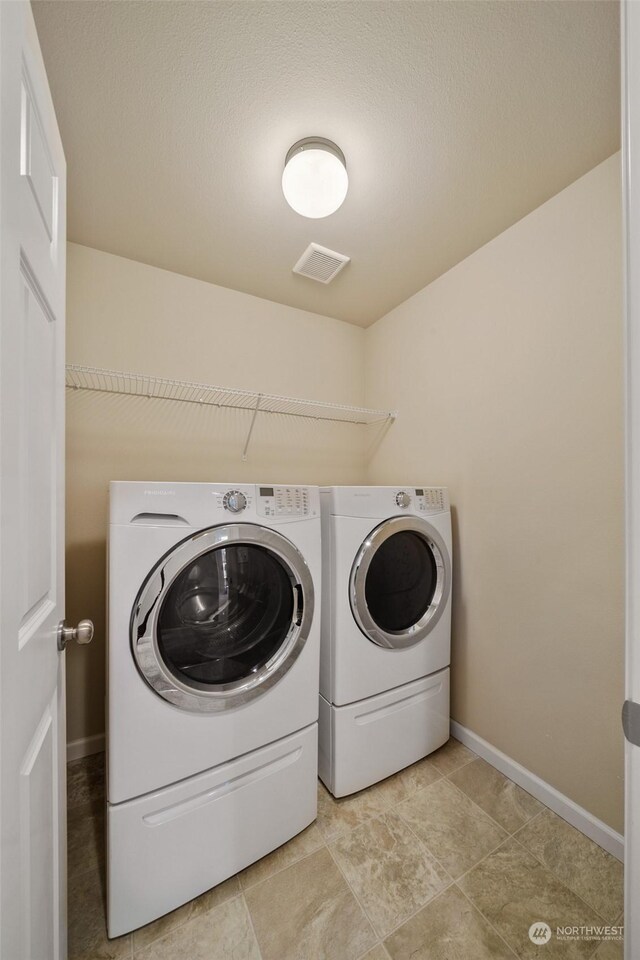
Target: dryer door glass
<point>225,615</point>
<point>401,581</point>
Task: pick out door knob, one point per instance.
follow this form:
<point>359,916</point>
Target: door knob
<point>631,721</point>
<point>83,633</point>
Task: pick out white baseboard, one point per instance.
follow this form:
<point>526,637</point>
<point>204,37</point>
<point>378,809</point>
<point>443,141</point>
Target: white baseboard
<point>577,816</point>
<point>84,747</point>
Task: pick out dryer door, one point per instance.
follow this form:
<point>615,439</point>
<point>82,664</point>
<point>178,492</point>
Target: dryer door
<point>222,617</point>
<point>400,582</point>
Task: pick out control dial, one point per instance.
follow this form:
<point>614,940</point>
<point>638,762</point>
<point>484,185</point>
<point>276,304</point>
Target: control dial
<point>234,501</point>
<point>403,499</point>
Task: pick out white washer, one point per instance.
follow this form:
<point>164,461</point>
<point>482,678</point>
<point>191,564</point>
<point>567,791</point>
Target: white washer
<point>386,631</point>
<point>212,685</point>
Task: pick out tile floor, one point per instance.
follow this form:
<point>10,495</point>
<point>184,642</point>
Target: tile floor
<point>447,860</point>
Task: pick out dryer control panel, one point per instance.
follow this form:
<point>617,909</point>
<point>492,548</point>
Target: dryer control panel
<point>381,502</point>
<point>420,499</point>
<point>284,502</point>
<point>430,499</point>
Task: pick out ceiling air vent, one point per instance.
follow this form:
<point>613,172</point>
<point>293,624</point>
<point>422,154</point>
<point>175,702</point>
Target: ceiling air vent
<point>319,263</point>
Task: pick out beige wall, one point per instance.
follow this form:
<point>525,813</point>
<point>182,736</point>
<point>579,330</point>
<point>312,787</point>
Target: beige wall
<point>507,374</point>
<point>128,316</point>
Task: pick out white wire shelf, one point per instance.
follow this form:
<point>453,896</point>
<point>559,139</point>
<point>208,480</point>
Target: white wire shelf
<point>79,377</point>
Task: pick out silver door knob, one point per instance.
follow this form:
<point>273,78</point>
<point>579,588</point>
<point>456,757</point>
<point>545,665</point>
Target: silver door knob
<point>82,634</point>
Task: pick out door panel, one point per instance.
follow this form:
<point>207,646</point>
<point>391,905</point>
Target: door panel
<point>35,158</point>
<point>39,852</point>
<point>36,479</point>
<point>32,308</point>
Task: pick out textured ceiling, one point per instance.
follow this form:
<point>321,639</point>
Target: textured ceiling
<point>456,119</point>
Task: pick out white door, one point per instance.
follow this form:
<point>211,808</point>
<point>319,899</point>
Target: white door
<point>631,159</point>
<point>32,305</point>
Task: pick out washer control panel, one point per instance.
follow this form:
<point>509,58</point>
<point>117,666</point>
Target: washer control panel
<point>284,502</point>
<point>234,501</point>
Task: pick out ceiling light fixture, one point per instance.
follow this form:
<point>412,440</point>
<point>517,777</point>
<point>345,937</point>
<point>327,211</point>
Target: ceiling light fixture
<point>314,180</point>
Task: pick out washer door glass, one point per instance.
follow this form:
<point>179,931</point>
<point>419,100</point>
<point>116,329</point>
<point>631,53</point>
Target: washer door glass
<point>225,615</point>
<point>222,617</point>
<point>400,582</point>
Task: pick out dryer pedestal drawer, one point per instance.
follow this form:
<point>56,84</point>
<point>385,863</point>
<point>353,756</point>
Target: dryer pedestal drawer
<point>167,847</point>
<point>367,741</point>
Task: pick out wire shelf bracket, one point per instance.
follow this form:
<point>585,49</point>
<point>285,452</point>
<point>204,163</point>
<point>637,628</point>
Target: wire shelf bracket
<point>253,420</point>
<point>79,377</point>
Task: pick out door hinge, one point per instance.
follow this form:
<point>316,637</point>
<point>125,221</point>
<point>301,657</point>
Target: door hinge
<point>631,721</point>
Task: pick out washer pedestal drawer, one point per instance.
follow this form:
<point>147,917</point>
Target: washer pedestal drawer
<point>167,847</point>
<point>367,741</point>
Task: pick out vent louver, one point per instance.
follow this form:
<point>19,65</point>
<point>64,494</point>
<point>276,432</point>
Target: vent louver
<point>319,263</point>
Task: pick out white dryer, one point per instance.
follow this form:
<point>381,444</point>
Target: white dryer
<point>386,631</point>
<point>212,685</point>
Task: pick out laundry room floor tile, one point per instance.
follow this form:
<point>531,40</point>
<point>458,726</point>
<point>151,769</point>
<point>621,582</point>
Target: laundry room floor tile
<point>219,934</point>
<point>505,801</point>
<point>451,756</point>
<point>389,870</point>
<point>154,931</point>
<point>448,928</point>
<point>337,817</point>
<point>389,792</point>
<point>378,953</point>
<point>453,828</point>
<point>610,950</point>
<point>307,912</point>
<point>301,846</point>
<point>418,775</point>
<point>580,863</point>
<point>85,838</point>
<point>85,780</point>
<point>86,918</point>
<point>147,935</point>
<point>513,890</point>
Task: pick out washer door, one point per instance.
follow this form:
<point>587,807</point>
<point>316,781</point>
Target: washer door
<point>400,582</point>
<point>222,617</point>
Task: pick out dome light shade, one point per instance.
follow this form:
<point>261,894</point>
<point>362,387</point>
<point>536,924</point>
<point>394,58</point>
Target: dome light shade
<point>314,180</point>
